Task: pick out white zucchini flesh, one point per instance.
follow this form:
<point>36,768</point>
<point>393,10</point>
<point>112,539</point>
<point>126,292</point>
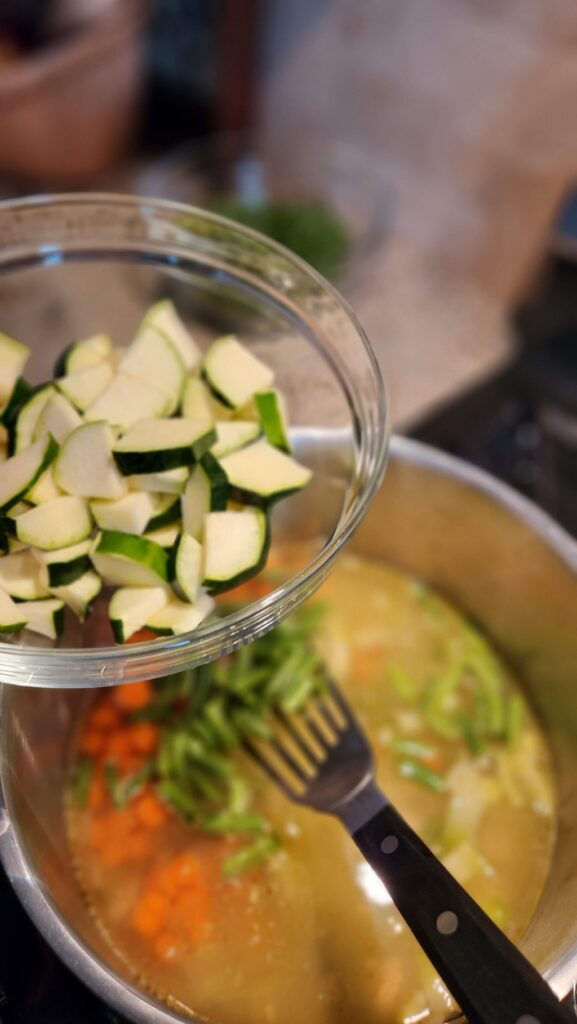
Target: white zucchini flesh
<point>45,488</point>
<point>28,417</point>
<point>164,535</point>
<point>13,358</point>
<point>171,481</point>
<point>157,445</point>
<point>127,400</point>
<point>88,352</point>
<point>163,316</point>
<point>272,414</point>
<point>20,472</point>
<point>131,607</point>
<point>235,547</point>
<point>188,567</point>
<point>21,577</point>
<point>85,465</point>
<point>177,617</point>
<point>262,473</point>
<point>44,617</point>
<point>233,372</point>
<point>206,491</point>
<point>12,617</point>
<point>64,565</point>
<point>56,524</point>
<point>232,435</point>
<point>129,561</point>
<point>80,594</point>
<point>130,514</point>
<point>166,510</point>
<point>84,387</point>
<point>152,357</point>
<point>58,418</point>
<point>197,401</point>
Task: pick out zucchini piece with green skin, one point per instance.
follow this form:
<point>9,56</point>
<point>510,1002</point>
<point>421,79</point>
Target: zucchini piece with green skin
<point>178,617</point>
<point>152,357</point>
<point>65,565</point>
<point>23,427</point>
<point>166,536</point>
<point>261,474</point>
<point>13,358</point>
<point>58,419</point>
<point>21,393</point>
<point>8,521</point>
<point>56,524</point>
<point>84,353</point>
<point>129,561</point>
<point>85,466</point>
<point>45,488</point>
<point>153,446</point>
<point>130,514</point>
<point>12,617</point>
<point>171,481</point>
<point>271,411</point>
<point>85,387</point>
<point>206,491</point>
<point>236,546</point>
<point>131,607</point>
<point>166,510</point>
<point>232,435</point>
<point>187,567</point>
<point>80,594</point>
<point>45,617</point>
<point>21,577</point>
<point>127,400</point>
<point>20,472</point>
<point>164,318</point>
<point>199,403</point>
<point>233,373</point>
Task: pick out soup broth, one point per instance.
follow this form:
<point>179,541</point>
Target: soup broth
<point>308,932</point>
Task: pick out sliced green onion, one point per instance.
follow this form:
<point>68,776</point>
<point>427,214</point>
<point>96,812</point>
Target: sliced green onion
<point>417,772</point>
<point>412,748</point>
<point>227,821</point>
<point>250,856</point>
<point>82,780</point>
<point>515,713</point>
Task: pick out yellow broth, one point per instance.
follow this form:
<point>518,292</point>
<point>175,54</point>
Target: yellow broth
<point>310,934</point>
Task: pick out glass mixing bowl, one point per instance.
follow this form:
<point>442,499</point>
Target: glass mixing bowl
<point>74,265</point>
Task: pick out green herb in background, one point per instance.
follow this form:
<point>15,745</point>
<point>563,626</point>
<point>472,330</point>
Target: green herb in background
<point>309,229</point>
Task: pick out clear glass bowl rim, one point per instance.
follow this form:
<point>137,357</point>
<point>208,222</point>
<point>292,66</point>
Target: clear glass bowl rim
<point>82,667</point>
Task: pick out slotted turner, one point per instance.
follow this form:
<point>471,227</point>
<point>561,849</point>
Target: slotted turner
<point>322,758</point>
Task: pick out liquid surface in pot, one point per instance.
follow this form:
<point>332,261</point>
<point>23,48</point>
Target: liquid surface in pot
<point>308,933</point>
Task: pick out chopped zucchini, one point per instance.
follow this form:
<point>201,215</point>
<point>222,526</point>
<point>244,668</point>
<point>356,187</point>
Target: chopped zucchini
<point>188,567</point>
<point>131,607</point>
<point>58,419</point>
<point>164,318</point>
<point>44,617</point>
<point>235,547</point>
<point>129,561</point>
<point>197,401</point>
<point>130,514</point>
<point>21,577</point>
<point>166,536</point>
<point>153,446</point>
<point>12,617</point>
<point>152,357</point>
<point>271,411</point>
<point>179,617</point>
<point>171,481</point>
<point>13,358</point>
<point>261,474</point>
<point>21,392</point>
<point>20,472</point>
<point>84,387</point>
<point>85,465</point>
<point>64,565</point>
<point>233,373</point>
<point>45,488</point>
<point>81,355</point>
<point>25,423</point>
<point>232,435</point>
<point>126,400</point>
<point>56,524</point>
<point>80,594</point>
<point>206,491</point>
<point>166,510</point>
<point>8,518</point>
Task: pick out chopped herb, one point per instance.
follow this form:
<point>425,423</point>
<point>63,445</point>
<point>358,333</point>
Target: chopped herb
<point>250,856</point>
<point>412,769</point>
<point>228,821</point>
<point>82,780</point>
<point>401,681</point>
<point>412,748</point>
<point>473,738</point>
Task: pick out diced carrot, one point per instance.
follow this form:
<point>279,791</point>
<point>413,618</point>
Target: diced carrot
<point>98,793</point>
<point>113,852</point>
<point>141,635</point>
<point>138,845</point>
<point>144,737</point>
<point>167,946</point>
<point>185,870</point>
<point>118,745</point>
<point>92,743</point>
<point>97,832</point>
<point>103,717</point>
<point>191,914</point>
<point>133,696</point>
<point>148,919</point>
<point>150,810</point>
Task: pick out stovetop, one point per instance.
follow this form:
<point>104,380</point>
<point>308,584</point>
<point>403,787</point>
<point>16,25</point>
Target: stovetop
<point>521,426</point>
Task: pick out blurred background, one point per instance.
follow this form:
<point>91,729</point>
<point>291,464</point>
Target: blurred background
<point>421,155</point>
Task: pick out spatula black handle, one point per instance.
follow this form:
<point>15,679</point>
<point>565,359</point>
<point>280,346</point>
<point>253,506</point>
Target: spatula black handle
<point>488,976</point>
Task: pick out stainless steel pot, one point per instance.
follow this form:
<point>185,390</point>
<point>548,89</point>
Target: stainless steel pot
<point>499,558</point>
